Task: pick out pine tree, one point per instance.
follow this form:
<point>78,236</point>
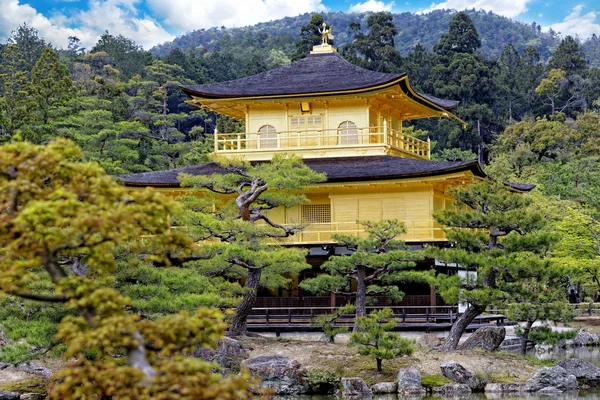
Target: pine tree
<point>51,85</point>
<point>242,237</point>
<point>569,57</point>
<point>499,239</point>
<point>377,264</point>
<point>59,213</point>
<point>462,37</point>
<point>309,37</point>
<point>375,339</point>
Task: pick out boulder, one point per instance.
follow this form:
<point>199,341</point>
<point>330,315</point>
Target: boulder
<point>32,396</point>
<point>585,339</point>
<point>4,340</point>
<point>430,341</point>
<point>282,374</point>
<point>36,369</point>
<point>452,390</point>
<point>9,396</point>
<point>513,387</point>
<point>459,374</point>
<point>384,388</point>
<point>551,379</point>
<point>229,354</point>
<point>581,369</point>
<point>409,382</point>
<point>488,339</point>
<point>355,388</point>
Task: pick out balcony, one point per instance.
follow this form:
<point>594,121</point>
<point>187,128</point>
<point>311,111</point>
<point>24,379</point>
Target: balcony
<point>326,142</point>
<point>417,231</point>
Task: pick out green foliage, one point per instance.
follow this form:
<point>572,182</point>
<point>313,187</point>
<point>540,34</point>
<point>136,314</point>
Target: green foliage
<point>462,36</point>
<point>431,381</point>
<point>375,340</point>
<point>61,220</point>
<point>377,264</point>
<point>327,322</point>
<point>546,335</point>
<point>322,380</point>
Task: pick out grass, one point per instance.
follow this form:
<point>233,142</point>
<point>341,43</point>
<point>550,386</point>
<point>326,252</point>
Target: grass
<point>431,381</point>
<point>532,360</point>
<point>33,385</point>
<point>366,368</point>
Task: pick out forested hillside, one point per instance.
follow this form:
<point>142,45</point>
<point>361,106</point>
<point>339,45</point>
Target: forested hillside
<point>495,31</point>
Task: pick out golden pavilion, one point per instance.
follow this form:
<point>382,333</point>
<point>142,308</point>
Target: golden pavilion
<point>345,121</point>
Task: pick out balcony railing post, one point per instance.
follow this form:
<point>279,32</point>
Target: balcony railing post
<point>385,132</point>
<point>216,139</point>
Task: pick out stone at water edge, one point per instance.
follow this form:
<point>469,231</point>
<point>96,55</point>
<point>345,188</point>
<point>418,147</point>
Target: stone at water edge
<point>282,374</point>
<point>555,378</point>
<point>452,389</point>
<point>355,388</point>
<point>581,369</point>
<point>459,374</point>
<point>384,388</point>
<point>409,382</point>
<point>585,339</point>
<point>32,396</point>
<point>36,369</point>
<point>229,353</point>
<point>488,339</point>
<point>9,396</point>
<point>513,387</point>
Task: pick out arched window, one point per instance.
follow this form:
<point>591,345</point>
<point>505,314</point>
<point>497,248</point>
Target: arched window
<point>348,133</point>
<point>268,137</point>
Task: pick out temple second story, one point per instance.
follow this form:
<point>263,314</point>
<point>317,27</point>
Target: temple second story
<point>346,122</point>
<point>320,106</point>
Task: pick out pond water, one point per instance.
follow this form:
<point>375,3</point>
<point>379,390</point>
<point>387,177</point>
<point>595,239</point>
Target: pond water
<point>590,395</point>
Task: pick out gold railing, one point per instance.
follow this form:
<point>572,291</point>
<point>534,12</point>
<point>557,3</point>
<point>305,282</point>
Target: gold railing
<point>322,233</point>
<point>323,138</point>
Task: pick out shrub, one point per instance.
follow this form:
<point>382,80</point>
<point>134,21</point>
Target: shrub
<point>544,334</point>
<point>322,381</point>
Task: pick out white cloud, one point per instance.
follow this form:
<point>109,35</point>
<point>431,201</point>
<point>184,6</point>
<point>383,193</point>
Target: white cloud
<point>185,15</point>
<point>578,24</point>
<point>116,16</point>
<point>371,5</point>
<point>507,8</point>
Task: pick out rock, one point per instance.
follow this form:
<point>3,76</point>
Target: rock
<point>229,354</point>
<point>355,388</point>
<point>581,369</point>
<point>409,382</point>
<point>32,396</point>
<point>33,368</point>
<point>585,339</point>
<point>459,374</point>
<point>4,340</point>
<point>555,378</point>
<point>488,339</point>
<point>4,365</point>
<point>282,374</point>
<point>430,341</point>
<point>452,389</point>
<point>384,388</point>
<point>9,396</point>
<point>513,387</point>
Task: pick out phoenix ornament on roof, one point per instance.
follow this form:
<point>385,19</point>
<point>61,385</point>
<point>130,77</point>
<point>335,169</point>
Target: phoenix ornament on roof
<point>326,33</point>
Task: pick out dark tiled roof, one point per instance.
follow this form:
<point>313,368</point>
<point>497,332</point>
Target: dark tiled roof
<point>343,169</point>
<point>524,187</point>
<point>317,73</point>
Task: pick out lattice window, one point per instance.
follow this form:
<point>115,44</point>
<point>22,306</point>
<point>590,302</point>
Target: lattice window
<point>316,213</point>
<point>348,133</point>
<point>306,123</point>
<point>268,137</point>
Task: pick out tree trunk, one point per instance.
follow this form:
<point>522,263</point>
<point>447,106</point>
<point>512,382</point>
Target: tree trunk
<point>239,322</point>
<point>451,342</point>
<point>378,364</point>
<point>136,358</point>
<point>361,294</point>
<point>526,331</point>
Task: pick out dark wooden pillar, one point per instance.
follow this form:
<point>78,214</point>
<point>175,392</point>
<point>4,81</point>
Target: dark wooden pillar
<point>432,296</point>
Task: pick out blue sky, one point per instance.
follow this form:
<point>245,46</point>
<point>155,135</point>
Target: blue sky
<point>150,22</point>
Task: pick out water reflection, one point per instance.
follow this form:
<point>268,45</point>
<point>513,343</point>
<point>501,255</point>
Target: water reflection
<point>589,395</point>
<point>591,354</point>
